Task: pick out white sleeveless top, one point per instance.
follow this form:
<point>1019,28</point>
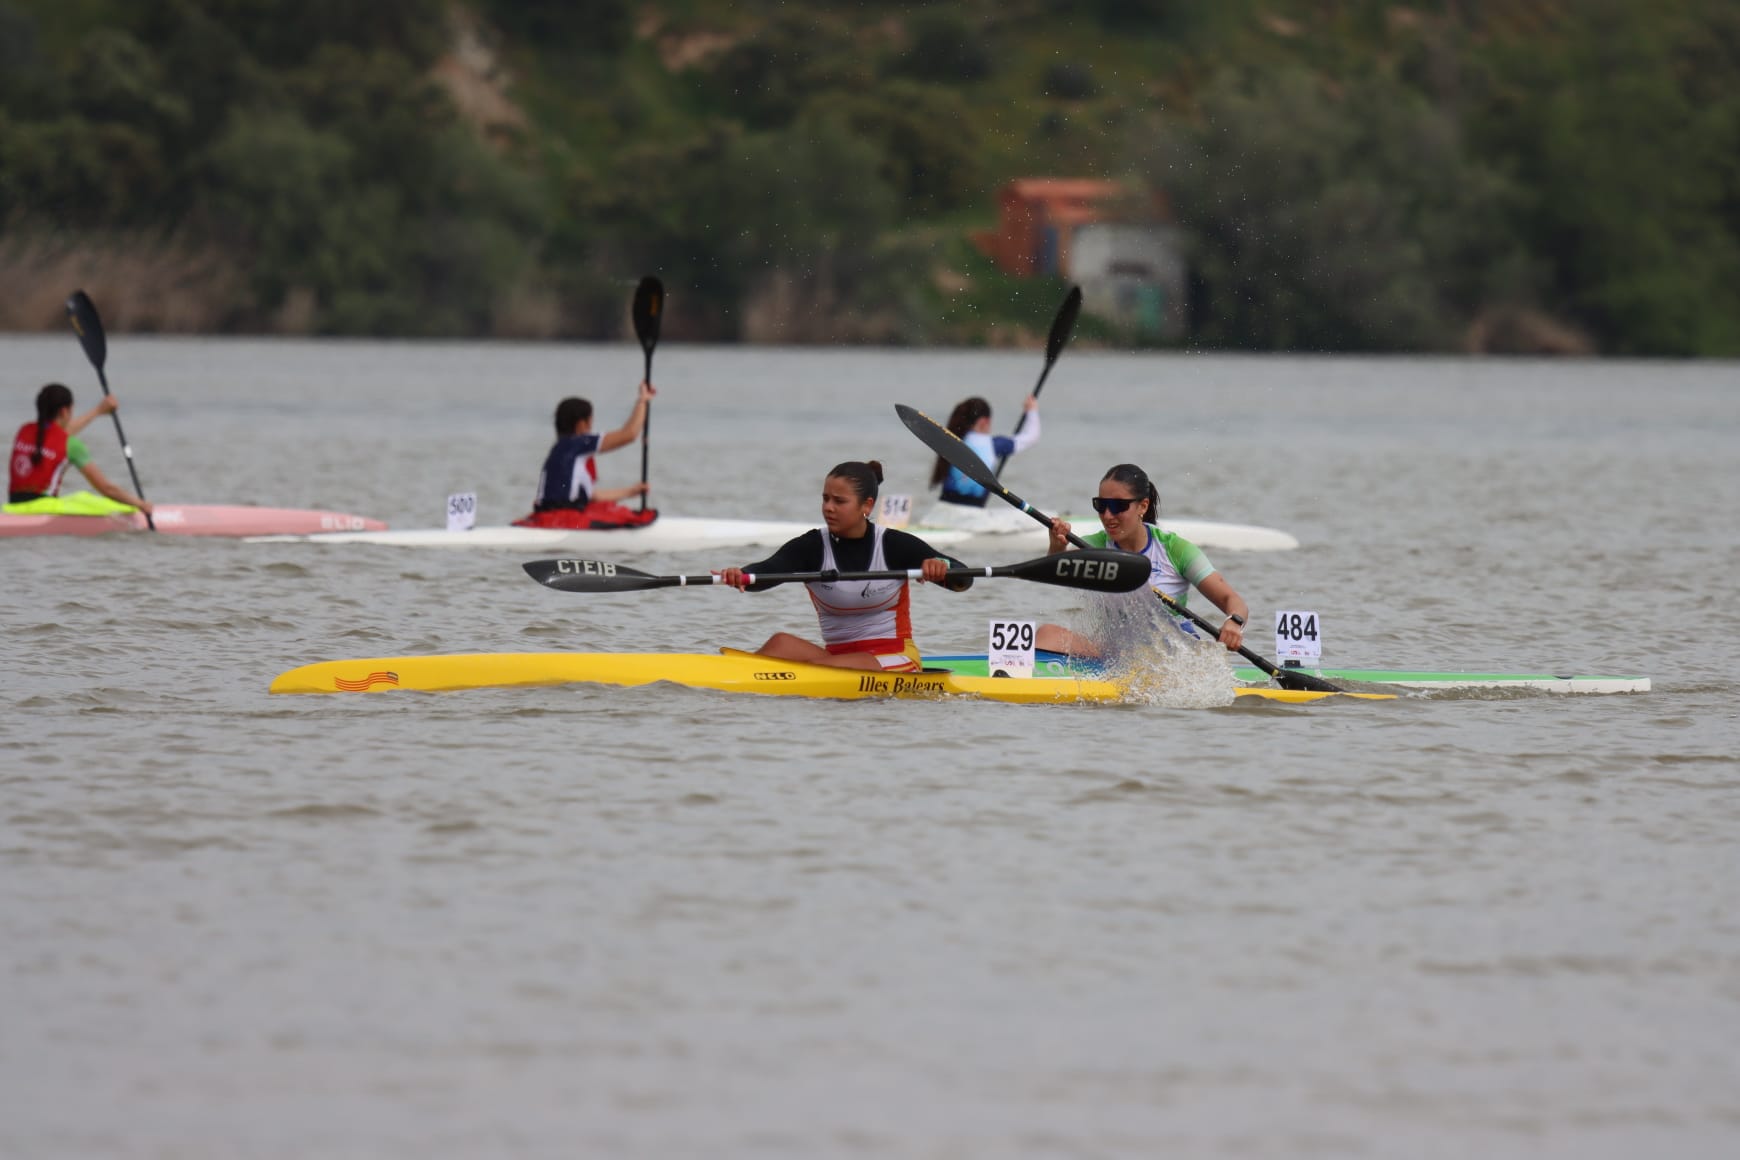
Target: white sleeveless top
<point>854,613</point>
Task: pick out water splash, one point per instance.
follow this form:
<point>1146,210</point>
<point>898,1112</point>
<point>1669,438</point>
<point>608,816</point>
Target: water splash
<point>1159,662</point>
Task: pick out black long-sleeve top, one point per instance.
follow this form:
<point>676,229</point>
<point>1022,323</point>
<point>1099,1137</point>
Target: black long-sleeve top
<point>900,550</point>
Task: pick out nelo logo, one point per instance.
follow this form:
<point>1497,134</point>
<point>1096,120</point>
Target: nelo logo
<point>779,676</point>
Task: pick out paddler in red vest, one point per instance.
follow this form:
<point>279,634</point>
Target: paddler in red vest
<point>568,495</point>
<point>865,624</point>
<point>41,451</point>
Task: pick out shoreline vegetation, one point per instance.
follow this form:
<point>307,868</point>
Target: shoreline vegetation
<point>1356,176</point>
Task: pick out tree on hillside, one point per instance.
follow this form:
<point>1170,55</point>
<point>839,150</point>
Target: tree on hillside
<point>1334,220</point>
<point>1624,128</point>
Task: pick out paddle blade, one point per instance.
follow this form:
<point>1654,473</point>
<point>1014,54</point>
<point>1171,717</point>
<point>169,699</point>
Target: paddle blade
<point>1063,325</point>
<point>591,576</point>
<point>88,325</point>
<point>1091,569</point>
<point>649,309</point>
<point>1292,679</point>
<point>946,444</point>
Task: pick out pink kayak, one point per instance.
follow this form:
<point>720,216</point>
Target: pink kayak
<point>194,520</point>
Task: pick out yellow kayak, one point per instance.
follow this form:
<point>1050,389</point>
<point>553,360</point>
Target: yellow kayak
<point>730,672</point>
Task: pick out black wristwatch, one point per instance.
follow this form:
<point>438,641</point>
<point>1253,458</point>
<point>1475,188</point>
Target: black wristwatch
<point>1238,620</point>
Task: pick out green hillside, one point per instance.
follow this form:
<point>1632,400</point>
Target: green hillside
<point>1349,175</point>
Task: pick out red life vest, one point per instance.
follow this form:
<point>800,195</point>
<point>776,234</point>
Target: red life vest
<point>41,477</point>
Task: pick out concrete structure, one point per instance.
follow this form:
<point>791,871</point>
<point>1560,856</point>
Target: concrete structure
<point>1134,275</point>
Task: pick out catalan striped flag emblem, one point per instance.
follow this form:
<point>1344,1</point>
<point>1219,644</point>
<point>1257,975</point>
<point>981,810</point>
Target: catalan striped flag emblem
<point>390,680</point>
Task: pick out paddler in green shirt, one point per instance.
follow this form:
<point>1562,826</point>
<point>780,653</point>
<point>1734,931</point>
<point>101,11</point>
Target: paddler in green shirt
<point>42,451</point>
<point>1128,504</point>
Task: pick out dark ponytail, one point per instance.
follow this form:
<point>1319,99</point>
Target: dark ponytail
<point>1140,486</point>
<point>865,478</point>
<point>50,401</point>
<point>966,413</point>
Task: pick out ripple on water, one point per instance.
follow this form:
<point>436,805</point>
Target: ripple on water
<point>1485,922</point>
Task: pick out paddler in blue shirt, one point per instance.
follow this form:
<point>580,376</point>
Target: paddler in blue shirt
<point>567,495</point>
<point>865,624</point>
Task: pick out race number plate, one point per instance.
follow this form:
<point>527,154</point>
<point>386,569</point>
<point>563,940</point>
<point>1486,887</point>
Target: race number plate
<point>1009,651</point>
<point>895,511</point>
<point>1298,638</point>
<point>461,511</point>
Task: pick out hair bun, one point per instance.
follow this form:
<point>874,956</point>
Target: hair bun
<point>875,466</point>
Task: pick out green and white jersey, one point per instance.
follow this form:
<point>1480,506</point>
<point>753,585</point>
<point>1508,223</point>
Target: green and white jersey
<point>1177,563</point>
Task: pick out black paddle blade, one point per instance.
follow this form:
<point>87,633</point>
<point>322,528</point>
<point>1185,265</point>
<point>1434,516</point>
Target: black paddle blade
<point>945,443</point>
<point>570,575</point>
<point>1293,679</point>
<point>1092,569</point>
<point>649,309</point>
<point>1063,325</point>
<point>88,325</point>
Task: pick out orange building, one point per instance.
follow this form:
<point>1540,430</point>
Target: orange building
<point>1037,219</point>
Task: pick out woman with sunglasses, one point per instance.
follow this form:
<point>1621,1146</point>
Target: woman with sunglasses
<point>865,624</point>
<point>1128,504</point>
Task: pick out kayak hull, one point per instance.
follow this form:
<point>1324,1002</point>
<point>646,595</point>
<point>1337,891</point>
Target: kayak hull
<point>238,521</point>
<point>1058,665</point>
<point>1408,679</point>
<point>731,672</point>
<point>666,534</point>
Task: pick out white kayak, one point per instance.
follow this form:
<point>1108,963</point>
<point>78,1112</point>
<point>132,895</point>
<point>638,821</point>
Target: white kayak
<point>1022,529</point>
<point>665,534</point>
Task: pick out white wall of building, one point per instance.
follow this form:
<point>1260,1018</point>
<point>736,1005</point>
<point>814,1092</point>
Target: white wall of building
<point>1134,275</point>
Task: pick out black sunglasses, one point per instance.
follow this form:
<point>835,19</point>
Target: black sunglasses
<point>1115,506</point>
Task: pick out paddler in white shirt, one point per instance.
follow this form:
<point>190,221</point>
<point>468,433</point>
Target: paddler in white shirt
<point>1129,504</point>
<point>971,423</point>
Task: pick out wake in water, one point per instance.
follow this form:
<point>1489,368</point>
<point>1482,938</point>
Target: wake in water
<point>1161,663</point>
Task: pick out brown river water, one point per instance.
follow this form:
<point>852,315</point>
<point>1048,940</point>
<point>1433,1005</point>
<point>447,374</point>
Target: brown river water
<point>672,923</point>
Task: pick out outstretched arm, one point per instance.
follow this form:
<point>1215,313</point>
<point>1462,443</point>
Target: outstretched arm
<point>119,494</point>
<point>108,404</point>
<point>1215,587</point>
<point>1026,436</point>
<point>629,431</point>
<point>618,494</point>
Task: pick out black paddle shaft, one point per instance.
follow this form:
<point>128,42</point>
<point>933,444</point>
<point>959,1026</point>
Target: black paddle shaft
<point>944,442</point>
<point>88,325</point>
<point>1095,570</point>
<point>648,310</point>
<point>1062,326</point>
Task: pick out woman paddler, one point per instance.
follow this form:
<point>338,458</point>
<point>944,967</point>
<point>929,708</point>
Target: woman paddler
<point>971,423</point>
<point>1128,504</point>
<point>865,624</point>
<point>568,495</point>
<point>41,451</point>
